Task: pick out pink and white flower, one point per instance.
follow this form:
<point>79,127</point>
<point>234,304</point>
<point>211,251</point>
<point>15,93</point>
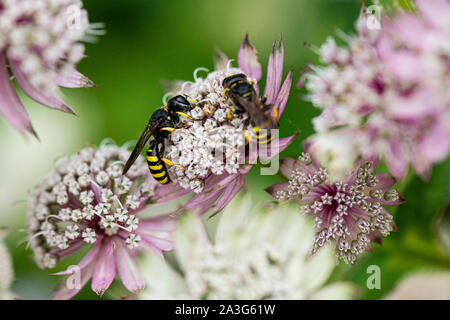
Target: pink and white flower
<point>216,180</point>
<point>386,93</point>
<point>349,212</point>
<point>258,253</point>
<point>6,270</point>
<point>40,46</point>
<point>86,201</point>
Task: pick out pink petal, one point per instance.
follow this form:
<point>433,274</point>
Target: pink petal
<point>273,190</point>
<point>384,202</point>
<point>158,232</point>
<point>435,146</point>
<point>407,28</point>
<point>105,269</point>
<point>283,95</point>
<point>405,66</point>
<point>202,202</point>
<point>218,182</point>
<point>74,247</point>
<point>11,108</point>
<point>395,159</point>
<point>229,193</point>
<point>385,181</point>
<point>248,59</point>
<point>127,268</point>
<point>66,293</point>
<point>220,60</point>
<point>289,165</point>
<point>87,259</point>
<point>52,101</point>
<point>169,192</point>
<point>436,12</point>
<point>245,169</point>
<point>208,202</point>
<point>421,165</point>
<point>73,79</point>
<point>274,72</point>
<point>275,147</point>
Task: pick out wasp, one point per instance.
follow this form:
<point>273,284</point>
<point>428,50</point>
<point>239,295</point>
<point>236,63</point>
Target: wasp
<point>162,122</point>
<point>243,95</point>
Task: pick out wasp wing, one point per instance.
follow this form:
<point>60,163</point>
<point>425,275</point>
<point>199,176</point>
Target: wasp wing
<point>256,110</point>
<point>145,136</point>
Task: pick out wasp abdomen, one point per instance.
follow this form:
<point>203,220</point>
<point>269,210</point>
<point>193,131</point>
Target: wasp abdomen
<point>263,136</point>
<point>157,167</point>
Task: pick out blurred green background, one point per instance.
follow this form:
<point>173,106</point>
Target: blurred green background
<point>148,42</point>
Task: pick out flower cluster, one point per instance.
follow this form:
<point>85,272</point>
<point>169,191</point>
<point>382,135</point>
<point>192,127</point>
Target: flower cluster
<point>386,93</point>
<point>86,200</point>
<point>348,212</point>
<point>6,270</point>
<point>250,259</point>
<point>40,42</point>
<point>194,146</point>
<point>211,147</point>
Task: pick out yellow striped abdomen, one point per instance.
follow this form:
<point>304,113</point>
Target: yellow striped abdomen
<point>156,166</point>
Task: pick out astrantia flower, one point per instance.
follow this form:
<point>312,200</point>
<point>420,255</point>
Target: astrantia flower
<point>257,254</point>
<point>6,270</point>
<point>86,201</point>
<point>386,93</point>
<point>348,212</point>
<point>40,43</point>
<point>194,145</point>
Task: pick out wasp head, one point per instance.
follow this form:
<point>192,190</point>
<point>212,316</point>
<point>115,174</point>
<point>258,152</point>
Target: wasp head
<point>179,103</point>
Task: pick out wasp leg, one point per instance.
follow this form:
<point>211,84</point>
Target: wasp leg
<point>184,115</point>
<point>225,93</point>
<point>169,129</point>
<point>275,112</point>
<point>170,163</point>
<point>248,137</point>
<point>264,99</point>
<point>230,114</point>
<point>167,161</point>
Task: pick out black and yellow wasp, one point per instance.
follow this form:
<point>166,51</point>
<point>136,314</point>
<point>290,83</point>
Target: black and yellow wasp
<point>161,124</point>
<point>243,95</point>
